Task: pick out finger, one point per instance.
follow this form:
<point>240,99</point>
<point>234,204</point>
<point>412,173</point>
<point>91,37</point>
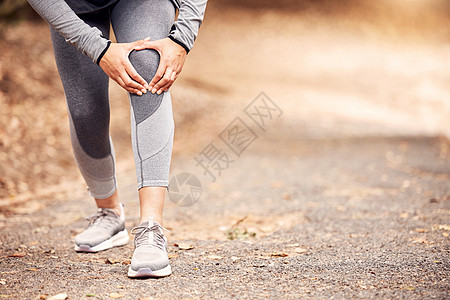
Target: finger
<point>138,43</point>
<point>165,83</point>
<point>129,82</point>
<point>173,78</point>
<point>120,82</point>
<point>166,87</point>
<point>158,75</point>
<point>155,45</point>
<point>124,84</point>
<point>136,77</point>
<point>162,82</point>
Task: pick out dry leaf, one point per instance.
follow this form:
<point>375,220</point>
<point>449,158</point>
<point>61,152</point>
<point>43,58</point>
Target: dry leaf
<point>422,241</point>
<point>112,261</point>
<point>115,295</point>
<point>300,250</point>
<point>263,257</point>
<point>215,257</point>
<point>277,184</point>
<point>18,254</point>
<point>184,246</point>
<point>279,254</point>
<point>126,262</point>
<point>444,227</point>
<point>32,269</point>
<point>340,208</point>
<point>173,255</point>
<point>421,230</point>
<point>259,265</point>
<point>287,196</point>
<point>61,296</point>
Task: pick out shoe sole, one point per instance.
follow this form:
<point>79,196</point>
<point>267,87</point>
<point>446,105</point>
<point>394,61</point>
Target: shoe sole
<point>148,273</point>
<point>119,239</point>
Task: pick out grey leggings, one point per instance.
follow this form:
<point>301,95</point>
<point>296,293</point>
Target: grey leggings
<point>86,89</point>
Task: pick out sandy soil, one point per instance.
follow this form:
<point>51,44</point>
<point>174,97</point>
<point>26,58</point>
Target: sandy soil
<point>350,182</point>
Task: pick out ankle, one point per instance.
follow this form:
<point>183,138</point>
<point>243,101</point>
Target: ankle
<point>115,207</point>
<point>118,211</point>
<point>155,219</point>
<point>111,202</point>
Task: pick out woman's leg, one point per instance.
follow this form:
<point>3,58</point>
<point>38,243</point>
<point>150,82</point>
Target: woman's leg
<point>151,115</point>
<point>152,131</point>
<point>86,90</point>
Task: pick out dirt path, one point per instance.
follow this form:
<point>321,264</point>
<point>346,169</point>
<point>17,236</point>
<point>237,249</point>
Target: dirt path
<point>345,193</point>
<point>351,218</point>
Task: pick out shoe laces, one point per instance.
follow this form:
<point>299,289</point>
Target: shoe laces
<point>104,218</point>
<point>142,234</point>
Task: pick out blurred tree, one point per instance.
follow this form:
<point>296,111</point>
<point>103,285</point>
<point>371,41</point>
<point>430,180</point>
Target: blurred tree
<point>14,10</point>
<point>293,5</point>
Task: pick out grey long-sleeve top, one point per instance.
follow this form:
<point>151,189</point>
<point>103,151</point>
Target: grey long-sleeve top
<point>62,16</point>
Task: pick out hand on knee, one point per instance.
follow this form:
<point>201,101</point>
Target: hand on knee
<point>116,64</point>
<point>171,63</point>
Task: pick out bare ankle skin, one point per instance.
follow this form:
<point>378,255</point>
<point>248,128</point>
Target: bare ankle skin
<point>151,200</point>
<point>110,202</point>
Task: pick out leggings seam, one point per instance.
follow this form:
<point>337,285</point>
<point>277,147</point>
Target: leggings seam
<point>138,152</point>
<point>114,169</point>
<point>165,145</point>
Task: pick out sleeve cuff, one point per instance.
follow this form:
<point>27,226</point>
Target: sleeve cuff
<point>103,52</point>
<point>179,43</point>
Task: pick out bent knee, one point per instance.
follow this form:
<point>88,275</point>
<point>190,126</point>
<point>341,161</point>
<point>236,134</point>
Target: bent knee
<point>145,62</point>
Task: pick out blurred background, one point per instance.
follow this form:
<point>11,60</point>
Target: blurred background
<point>346,68</point>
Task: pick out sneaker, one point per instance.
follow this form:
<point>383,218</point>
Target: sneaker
<point>150,254</point>
<point>106,230</point>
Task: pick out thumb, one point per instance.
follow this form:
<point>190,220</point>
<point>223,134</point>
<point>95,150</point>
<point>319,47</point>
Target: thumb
<point>155,45</point>
<point>135,44</point>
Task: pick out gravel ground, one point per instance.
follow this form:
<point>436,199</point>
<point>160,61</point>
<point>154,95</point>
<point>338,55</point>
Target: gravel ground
<point>346,195</point>
<point>333,217</point>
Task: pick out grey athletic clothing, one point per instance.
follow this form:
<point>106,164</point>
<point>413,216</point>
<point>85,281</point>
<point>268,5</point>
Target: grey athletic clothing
<point>86,88</point>
<point>64,18</point>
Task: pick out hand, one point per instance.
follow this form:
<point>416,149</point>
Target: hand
<point>172,58</point>
<point>116,64</point>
